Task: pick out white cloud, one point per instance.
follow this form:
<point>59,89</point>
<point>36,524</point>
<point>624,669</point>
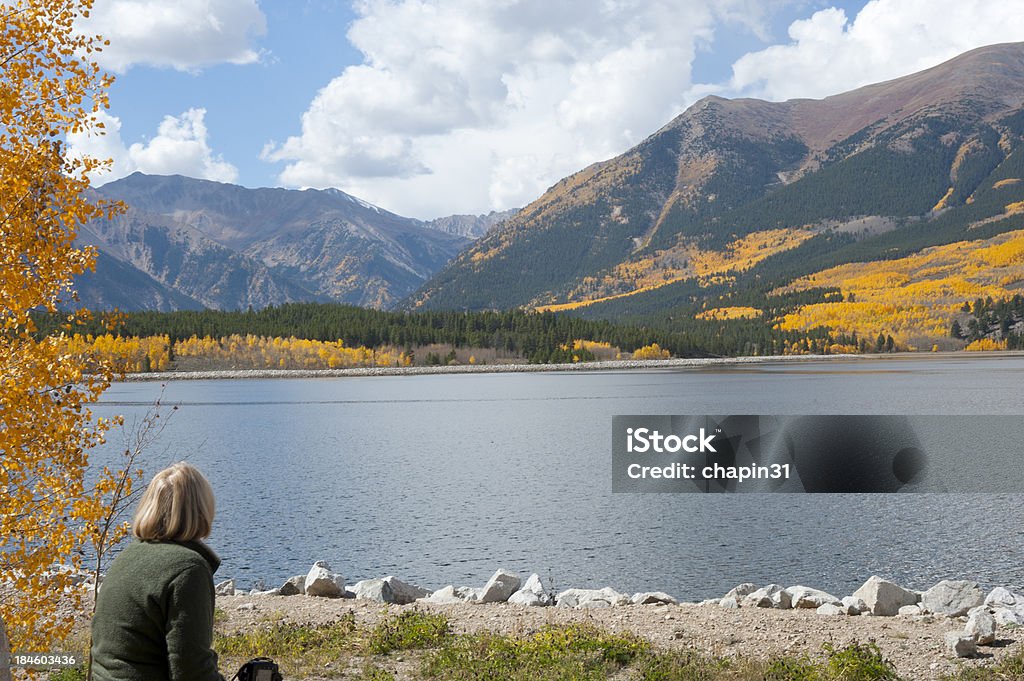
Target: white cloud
<point>184,34</point>
<point>466,105</point>
<point>830,53</point>
<point>179,148</point>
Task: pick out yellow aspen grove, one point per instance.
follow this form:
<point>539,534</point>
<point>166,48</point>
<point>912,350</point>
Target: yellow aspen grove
<point>50,86</point>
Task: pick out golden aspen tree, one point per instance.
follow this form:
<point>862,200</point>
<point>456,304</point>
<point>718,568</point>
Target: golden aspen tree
<point>50,86</point>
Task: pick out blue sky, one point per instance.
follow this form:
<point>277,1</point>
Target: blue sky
<point>434,107</point>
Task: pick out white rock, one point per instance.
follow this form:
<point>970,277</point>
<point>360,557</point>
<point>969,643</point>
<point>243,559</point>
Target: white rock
<point>960,644</point>
<point>295,586</point>
<point>830,609</point>
<point>806,597</point>
<point>854,606</point>
<point>388,590</point>
<point>246,606</point>
<point>981,625</point>
<point>320,581</point>
<point>729,603</point>
<point>532,593</point>
<point>882,597</point>
<point>707,602</point>
<point>591,598</point>
<point>910,611</point>
<point>225,588</point>
<point>1006,617</point>
<point>266,592</point>
<point>1003,598</point>
<point>952,598</point>
<point>468,593</point>
<point>652,598</point>
<point>742,591</point>
<point>1007,606</point>
<point>499,587</point>
<point>444,595</point>
<point>771,596</point>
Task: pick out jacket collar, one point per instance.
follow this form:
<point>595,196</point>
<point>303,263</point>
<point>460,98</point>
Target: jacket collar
<point>205,551</point>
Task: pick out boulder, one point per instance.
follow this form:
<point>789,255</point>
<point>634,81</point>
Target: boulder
<point>1008,617</point>
<point>500,587</point>
<point>952,598</point>
<point>468,593</point>
<point>295,586</point>
<point>830,609</point>
<point>1003,598</point>
<point>854,606</point>
<point>444,595</point>
<point>960,644</point>
<point>388,590</point>
<point>652,598</point>
<point>729,603</point>
<point>320,581</point>
<point>806,597</point>
<point>884,598</point>
<point>771,596</point>
<point>1007,606</point>
<point>981,625</point>
<point>742,591</point>
<point>531,594</point>
<point>225,588</point>
<point>910,611</point>
<point>591,598</point>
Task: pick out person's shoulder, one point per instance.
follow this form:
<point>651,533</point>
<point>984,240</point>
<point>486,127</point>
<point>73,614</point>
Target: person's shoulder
<point>173,556</point>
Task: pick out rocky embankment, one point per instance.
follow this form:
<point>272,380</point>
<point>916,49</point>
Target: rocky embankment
<point>923,632</point>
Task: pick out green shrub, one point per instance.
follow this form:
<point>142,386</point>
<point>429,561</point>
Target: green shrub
<point>1008,669</point>
<point>682,665</point>
<point>412,629</point>
<point>68,674</point>
<point>574,653</point>
<point>859,662</point>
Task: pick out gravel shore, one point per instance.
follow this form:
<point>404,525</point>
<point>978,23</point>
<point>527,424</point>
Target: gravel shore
<point>914,645</point>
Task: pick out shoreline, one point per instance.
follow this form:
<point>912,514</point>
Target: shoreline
<point>747,623</point>
<point>607,365</point>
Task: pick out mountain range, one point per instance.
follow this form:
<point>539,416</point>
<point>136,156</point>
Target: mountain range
<point>186,243</point>
<point>877,210</point>
<point>749,199</point>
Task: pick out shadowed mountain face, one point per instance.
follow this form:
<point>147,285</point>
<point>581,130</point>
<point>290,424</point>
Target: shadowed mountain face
<point>187,243</point>
<point>753,192</point>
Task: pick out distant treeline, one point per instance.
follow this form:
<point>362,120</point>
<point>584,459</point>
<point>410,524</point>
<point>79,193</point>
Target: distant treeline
<point>537,337</point>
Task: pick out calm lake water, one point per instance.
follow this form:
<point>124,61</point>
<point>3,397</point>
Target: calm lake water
<point>441,479</point>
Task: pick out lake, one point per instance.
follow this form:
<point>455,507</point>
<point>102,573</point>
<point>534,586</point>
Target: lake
<point>441,479</point>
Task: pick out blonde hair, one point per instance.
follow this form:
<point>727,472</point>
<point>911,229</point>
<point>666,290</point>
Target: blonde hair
<point>178,505</point>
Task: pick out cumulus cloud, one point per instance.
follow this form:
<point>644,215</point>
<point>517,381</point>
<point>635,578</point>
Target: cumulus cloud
<point>830,52</point>
<point>180,147</point>
<point>184,34</point>
<point>465,105</point>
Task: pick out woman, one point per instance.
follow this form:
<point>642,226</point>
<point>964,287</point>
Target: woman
<point>154,612</point>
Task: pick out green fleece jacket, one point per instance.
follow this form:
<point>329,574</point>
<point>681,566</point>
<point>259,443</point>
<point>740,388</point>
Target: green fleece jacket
<point>154,615</point>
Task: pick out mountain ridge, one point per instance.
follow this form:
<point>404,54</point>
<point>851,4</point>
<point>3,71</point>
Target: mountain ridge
<point>229,247</point>
<point>895,152</point>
